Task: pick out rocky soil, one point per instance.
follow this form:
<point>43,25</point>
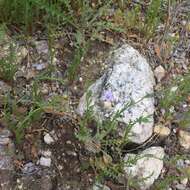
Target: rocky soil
<point>50,156</point>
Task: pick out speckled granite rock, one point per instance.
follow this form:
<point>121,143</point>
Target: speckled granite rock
<point>129,78</point>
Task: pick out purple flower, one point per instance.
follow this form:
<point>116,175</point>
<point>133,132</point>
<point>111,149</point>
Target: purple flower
<point>107,96</point>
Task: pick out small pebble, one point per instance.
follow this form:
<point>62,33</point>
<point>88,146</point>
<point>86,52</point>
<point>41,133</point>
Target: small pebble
<point>71,153</point>
<point>20,186</point>
<point>184,139</point>
<point>80,79</point>
<point>42,46</point>
<point>54,88</point>
<point>162,130</point>
<point>39,67</point>
<point>173,89</point>
<point>23,52</point>
<point>46,153</point>
<point>5,133</point>
<point>60,167</point>
<point>187,162</point>
<point>184,181</point>
<point>54,61</point>
<point>45,161</point>
<point>185,105</point>
<point>48,139</point>
<point>108,105</point>
<point>98,186</point>
<point>180,187</point>
<point>180,163</point>
<point>44,89</point>
<point>159,73</point>
<point>172,109</point>
<point>174,130</point>
<point>68,142</point>
<point>4,141</point>
<point>29,168</point>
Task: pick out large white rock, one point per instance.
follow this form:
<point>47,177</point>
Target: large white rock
<point>129,78</point>
<point>147,166</point>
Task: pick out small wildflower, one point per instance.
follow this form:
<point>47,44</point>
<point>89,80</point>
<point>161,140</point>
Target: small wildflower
<point>108,96</point>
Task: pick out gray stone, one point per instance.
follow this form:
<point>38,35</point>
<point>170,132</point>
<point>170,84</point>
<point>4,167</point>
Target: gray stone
<point>5,133</point>
<point>39,66</point>
<point>6,163</point>
<point>184,139</point>
<point>180,163</point>
<point>129,78</point>
<point>30,168</point>
<point>45,161</point>
<point>4,141</point>
<point>184,181</point>
<point>181,187</point>
<point>99,186</point>
<point>147,166</point>
<point>46,153</point>
<point>159,73</point>
<point>42,46</point>
<point>21,54</point>
<point>48,139</point>
<point>161,130</point>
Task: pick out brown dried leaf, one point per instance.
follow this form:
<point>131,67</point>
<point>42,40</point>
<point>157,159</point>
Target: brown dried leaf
<point>157,50</point>
<point>34,152</point>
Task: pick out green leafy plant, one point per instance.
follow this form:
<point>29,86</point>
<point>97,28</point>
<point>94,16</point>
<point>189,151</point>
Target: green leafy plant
<point>8,66</point>
<point>172,164</point>
<point>87,26</point>
<point>103,138</point>
<point>73,67</point>
<point>152,17</point>
<point>133,18</point>
<point>178,91</point>
<point>84,20</point>
<point>29,14</point>
<point>34,104</point>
